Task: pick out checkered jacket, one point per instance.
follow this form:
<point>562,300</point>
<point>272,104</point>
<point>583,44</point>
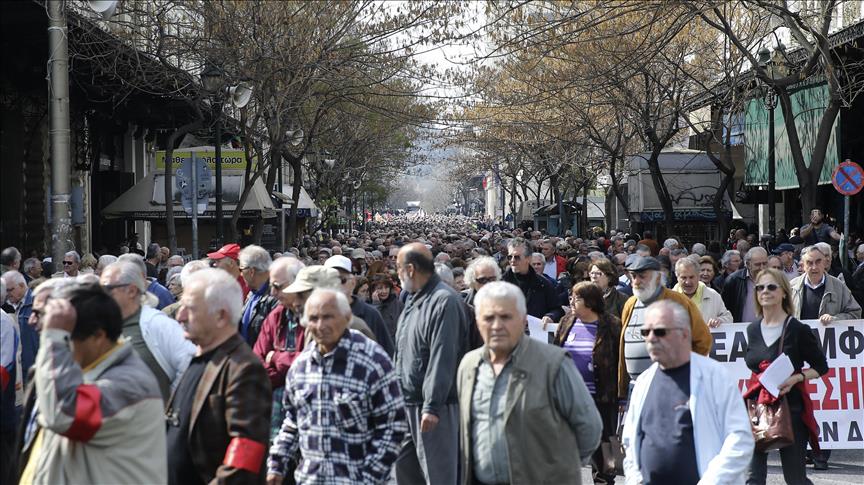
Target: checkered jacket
<point>344,414</point>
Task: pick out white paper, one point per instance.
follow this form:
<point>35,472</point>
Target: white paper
<point>776,374</point>
<point>535,329</point>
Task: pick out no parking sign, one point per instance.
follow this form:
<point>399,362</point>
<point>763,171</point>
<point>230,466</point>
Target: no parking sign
<point>848,178</point>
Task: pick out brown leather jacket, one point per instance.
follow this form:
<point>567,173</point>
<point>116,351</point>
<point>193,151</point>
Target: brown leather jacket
<point>230,412</point>
<point>604,356</point>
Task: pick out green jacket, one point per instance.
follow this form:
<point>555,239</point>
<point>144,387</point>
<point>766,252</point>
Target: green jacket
<point>537,434</point>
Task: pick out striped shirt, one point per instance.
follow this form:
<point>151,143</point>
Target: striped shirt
<point>344,415</point>
<point>636,356</point>
<point>580,345</point>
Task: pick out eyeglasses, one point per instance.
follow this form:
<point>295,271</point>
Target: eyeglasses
<point>513,257</point>
<point>68,263</point>
<point>115,286</point>
<point>658,332</point>
<point>279,286</point>
<point>486,279</point>
<point>343,280</point>
<point>769,287</point>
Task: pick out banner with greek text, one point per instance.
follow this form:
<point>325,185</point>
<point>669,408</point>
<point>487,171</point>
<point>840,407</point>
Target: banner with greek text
<point>838,396</point>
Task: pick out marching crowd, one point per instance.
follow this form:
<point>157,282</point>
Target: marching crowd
<point>401,355</point>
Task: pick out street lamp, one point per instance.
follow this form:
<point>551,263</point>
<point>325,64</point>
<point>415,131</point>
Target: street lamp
<point>213,82</point>
<point>770,101</point>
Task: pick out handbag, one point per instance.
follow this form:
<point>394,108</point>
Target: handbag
<point>613,452</point>
<point>771,424</point>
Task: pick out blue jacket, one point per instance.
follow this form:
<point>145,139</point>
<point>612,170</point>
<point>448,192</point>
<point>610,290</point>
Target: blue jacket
<point>165,297</point>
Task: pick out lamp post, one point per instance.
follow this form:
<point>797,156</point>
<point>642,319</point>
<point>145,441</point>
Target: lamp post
<point>770,101</point>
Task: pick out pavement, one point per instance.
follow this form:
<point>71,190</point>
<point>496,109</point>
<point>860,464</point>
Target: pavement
<point>845,468</point>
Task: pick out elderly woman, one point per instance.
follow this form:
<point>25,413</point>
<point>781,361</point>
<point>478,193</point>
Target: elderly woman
<point>386,301</point>
<point>708,271</point>
<point>590,334</point>
<point>774,306</point>
<point>603,274</point>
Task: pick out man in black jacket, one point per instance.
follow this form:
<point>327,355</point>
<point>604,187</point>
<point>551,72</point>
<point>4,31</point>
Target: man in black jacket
<point>542,300</point>
<point>738,289</point>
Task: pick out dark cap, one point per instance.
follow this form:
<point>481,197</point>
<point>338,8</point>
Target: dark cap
<point>644,263</point>
<point>782,248</point>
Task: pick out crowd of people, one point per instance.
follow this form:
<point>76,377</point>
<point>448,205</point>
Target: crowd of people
<point>401,355</point>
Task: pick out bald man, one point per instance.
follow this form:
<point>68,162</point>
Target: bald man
<point>431,337</point>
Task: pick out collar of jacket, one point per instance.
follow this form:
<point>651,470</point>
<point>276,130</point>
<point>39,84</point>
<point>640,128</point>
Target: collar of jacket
<point>530,278</point>
<point>117,353</point>
<point>427,288</point>
<point>513,358</point>
<point>211,372</point>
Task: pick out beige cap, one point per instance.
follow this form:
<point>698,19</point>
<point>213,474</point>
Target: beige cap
<point>313,277</point>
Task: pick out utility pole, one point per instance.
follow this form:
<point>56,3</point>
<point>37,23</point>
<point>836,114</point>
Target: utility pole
<point>61,175</point>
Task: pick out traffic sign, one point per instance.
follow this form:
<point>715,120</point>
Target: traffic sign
<point>848,178</point>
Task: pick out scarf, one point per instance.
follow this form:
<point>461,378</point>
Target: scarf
<point>765,397</point>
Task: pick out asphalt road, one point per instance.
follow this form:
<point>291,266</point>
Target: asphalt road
<point>845,468</point>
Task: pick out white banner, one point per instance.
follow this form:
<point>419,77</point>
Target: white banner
<point>838,396</point>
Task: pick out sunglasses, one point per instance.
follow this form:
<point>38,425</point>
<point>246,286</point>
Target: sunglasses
<point>769,287</point>
<point>514,257</point>
<point>68,263</point>
<point>486,279</point>
<point>659,332</point>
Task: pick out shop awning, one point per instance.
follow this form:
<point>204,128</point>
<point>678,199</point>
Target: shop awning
<point>305,207</point>
<point>146,200</point>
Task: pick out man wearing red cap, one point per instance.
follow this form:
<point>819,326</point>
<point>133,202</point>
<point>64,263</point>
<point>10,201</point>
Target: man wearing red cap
<point>227,258</point>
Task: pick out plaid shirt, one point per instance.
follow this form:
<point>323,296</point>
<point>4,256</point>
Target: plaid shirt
<point>343,412</point>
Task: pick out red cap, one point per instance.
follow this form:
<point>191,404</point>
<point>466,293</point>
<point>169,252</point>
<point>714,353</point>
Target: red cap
<point>227,251</point>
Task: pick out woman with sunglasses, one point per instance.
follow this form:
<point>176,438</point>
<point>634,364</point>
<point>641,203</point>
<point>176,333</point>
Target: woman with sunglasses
<point>590,334</point>
<point>774,305</point>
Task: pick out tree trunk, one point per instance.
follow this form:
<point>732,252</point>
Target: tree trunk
<point>169,171</point>
<point>662,193</point>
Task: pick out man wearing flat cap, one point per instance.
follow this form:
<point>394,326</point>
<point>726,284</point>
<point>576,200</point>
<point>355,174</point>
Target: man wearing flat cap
<point>789,266</point>
<point>648,287</point>
<point>358,261</point>
<point>227,258</point>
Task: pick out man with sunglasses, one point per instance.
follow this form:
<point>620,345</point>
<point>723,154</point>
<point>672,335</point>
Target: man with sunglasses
<point>686,420</point>
<point>540,294</point>
<point>648,287</point>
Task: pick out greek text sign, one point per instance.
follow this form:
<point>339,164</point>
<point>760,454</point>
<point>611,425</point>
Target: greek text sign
<point>231,159</point>
<point>838,396</point>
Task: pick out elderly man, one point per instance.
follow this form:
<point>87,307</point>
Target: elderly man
<point>358,261</point>
<point>97,416</point>
<point>818,295</point>
<point>360,308</point>
<point>738,288</point>
<point>227,258</point>
<point>255,270</point>
<point>19,300</point>
<point>648,287</point>
<point>71,262</point>
<point>481,271</point>
<point>710,302</point>
<point>431,338</point>
<point>730,262</point>
<point>153,287</point>
<point>347,376</point>
<point>282,337</point>
<point>542,300</point>
<point>218,415</point>
<point>553,264</point>
<point>686,421</point>
<point>788,266</point>
<point>32,269</point>
<point>155,336</point>
<point>503,383</point>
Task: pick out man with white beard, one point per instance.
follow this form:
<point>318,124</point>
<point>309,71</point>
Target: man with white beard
<point>648,287</point>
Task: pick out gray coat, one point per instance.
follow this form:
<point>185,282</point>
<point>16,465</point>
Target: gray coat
<point>837,300</point>
<point>431,338</point>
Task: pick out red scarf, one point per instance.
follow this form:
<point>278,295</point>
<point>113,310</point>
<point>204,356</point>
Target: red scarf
<point>765,397</point>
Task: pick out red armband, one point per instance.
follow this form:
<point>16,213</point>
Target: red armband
<point>5,377</point>
<point>88,413</point>
<point>245,454</point>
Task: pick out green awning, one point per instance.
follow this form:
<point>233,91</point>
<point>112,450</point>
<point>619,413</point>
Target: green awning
<point>808,105</point>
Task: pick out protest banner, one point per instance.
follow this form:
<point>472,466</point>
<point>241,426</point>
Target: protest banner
<point>838,396</point>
